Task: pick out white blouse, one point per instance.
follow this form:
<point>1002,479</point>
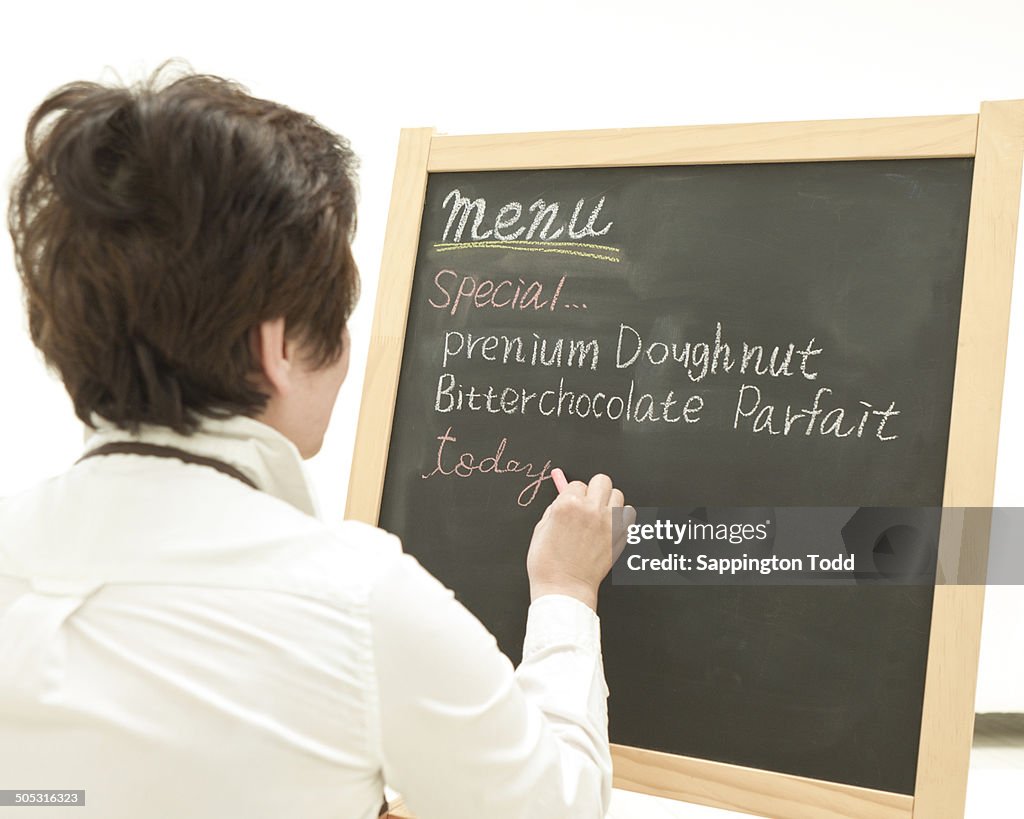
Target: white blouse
<point>178,644</point>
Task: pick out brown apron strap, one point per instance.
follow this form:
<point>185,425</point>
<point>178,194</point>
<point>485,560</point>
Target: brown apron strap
<point>158,451</point>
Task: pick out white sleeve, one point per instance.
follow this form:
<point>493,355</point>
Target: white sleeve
<point>462,735</point>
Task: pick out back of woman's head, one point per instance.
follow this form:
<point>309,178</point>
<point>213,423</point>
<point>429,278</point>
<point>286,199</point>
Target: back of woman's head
<point>156,225</point>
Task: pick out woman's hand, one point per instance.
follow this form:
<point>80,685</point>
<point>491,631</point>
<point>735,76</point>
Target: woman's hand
<point>574,545</point>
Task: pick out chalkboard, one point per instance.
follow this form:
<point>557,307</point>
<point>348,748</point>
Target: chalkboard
<point>861,260</point>
<point>586,318</point>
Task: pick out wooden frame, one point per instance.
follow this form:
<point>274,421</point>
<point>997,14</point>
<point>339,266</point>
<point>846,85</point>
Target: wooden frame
<point>995,138</point>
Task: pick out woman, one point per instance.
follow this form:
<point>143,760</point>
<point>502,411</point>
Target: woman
<point>181,634</point>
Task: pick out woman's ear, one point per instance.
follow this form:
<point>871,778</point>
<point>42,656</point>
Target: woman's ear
<point>275,355</point>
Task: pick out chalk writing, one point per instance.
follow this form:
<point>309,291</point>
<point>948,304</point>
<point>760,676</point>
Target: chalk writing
<point>626,403</point>
<point>764,417</point>
<point>534,350</point>
<point>508,216</point>
<point>701,358</point>
<point>466,465</point>
<point>455,289</point>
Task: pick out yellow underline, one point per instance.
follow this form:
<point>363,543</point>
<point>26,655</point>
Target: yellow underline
<point>466,246</point>
<point>492,242</point>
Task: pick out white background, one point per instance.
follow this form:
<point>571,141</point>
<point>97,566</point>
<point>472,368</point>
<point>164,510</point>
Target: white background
<point>368,69</point>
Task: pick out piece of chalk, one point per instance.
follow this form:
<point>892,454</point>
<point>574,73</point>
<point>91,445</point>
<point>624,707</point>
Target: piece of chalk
<point>558,476</point>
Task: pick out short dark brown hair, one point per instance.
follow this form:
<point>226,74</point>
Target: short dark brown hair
<point>156,225</point>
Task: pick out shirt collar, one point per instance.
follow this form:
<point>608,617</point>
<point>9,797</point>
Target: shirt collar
<point>262,453</point>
